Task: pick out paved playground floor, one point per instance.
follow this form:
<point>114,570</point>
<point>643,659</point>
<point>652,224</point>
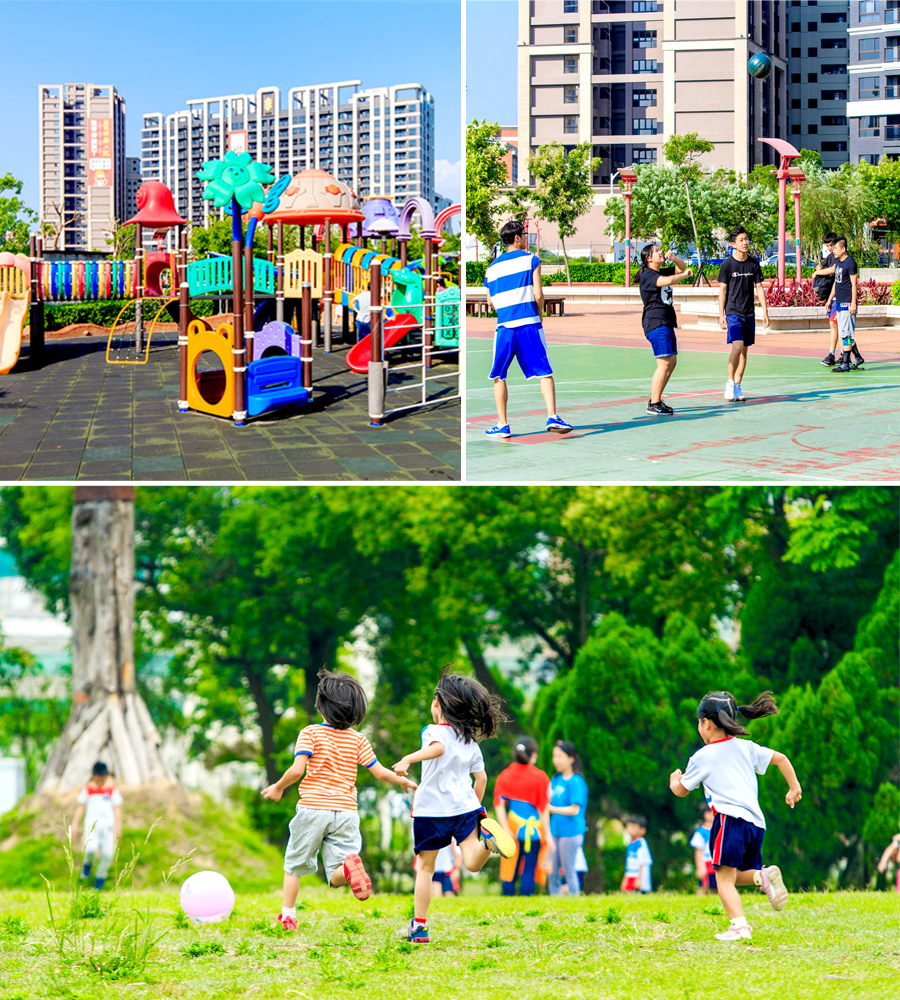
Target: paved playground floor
<point>78,418</point>
<point>801,422</point>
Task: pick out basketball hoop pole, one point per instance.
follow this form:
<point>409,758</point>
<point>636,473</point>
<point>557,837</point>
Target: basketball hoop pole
<point>787,153</point>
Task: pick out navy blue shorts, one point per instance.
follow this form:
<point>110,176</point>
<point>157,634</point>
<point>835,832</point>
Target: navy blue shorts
<point>431,833</point>
<point>662,340</point>
<point>444,881</point>
<point>526,345</point>
<point>741,328</point>
<point>736,843</point>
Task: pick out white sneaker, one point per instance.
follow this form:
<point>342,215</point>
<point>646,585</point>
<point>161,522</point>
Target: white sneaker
<point>772,885</point>
<point>736,934</point>
<point>729,390</point>
<point>738,395</point>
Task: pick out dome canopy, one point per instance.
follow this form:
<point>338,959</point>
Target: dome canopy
<point>314,196</point>
<point>156,207</point>
<point>381,217</point>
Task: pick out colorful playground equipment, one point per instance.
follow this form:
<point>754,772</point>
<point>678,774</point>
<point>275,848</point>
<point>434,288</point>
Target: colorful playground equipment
<point>259,361</point>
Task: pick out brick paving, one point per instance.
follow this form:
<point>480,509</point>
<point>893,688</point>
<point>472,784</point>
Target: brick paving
<point>79,418</point>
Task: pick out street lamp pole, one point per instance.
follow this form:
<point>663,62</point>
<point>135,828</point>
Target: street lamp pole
<point>628,176</point>
<point>797,178</point>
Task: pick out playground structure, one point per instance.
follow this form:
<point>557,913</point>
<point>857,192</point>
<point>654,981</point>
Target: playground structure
<point>257,363</point>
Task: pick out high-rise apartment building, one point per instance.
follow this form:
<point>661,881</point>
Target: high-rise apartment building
<point>873,104</point>
<point>133,182</point>
<point>817,78</point>
<point>379,141</point>
<point>81,163</point>
<point>625,74</point>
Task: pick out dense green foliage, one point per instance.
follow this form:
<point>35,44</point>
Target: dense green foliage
<point>16,218</point>
<point>616,599</point>
<point>106,313</point>
<point>485,175</point>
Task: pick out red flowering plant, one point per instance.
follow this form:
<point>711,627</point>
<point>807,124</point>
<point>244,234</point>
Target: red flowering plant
<point>873,293</point>
<point>795,293</point>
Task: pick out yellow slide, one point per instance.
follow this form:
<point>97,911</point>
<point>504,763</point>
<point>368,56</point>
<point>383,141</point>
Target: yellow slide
<point>15,295</point>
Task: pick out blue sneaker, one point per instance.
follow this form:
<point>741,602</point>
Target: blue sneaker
<point>556,423</point>
<point>417,933</point>
<point>499,432</point>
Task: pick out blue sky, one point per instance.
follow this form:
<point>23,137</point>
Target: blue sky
<point>159,54</point>
<point>491,30</point>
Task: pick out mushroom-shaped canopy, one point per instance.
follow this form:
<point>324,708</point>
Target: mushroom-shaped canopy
<point>381,217</point>
<point>314,196</point>
<point>156,207</point>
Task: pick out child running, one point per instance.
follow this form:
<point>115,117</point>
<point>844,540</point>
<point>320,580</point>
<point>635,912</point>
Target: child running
<point>727,768</point>
<point>100,803</point>
<point>446,805</point>
<point>659,320</point>
<point>703,866</point>
<point>326,756</point>
<point>514,290</point>
<point>738,276</point>
<point>844,293</point>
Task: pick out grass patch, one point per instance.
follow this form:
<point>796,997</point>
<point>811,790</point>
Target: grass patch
<point>821,947</point>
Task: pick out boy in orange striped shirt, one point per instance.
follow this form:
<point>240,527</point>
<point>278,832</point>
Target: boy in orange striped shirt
<point>326,757</point>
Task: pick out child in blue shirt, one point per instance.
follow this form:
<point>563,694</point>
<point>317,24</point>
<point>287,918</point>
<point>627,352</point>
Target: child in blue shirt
<point>706,873</point>
<point>568,811</point>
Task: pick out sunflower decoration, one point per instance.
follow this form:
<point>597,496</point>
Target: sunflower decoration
<point>237,176</point>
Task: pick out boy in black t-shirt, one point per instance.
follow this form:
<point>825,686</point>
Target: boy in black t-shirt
<point>659,319</point>
<point>844,293</point>
<point>739,275</point>
<point>823,282</point>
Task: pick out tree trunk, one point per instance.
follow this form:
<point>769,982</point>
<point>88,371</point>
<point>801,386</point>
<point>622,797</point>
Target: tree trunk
<point>701,277</point>
<point>109,720</point>
<point>566,259</point>
<point>484,676</point>
<point>266,723</point>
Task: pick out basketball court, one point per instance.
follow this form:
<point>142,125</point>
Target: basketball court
<point>800,422</point>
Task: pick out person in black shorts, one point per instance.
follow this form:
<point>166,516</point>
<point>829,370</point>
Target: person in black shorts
<point>823,279</point>
<point>659,319</point>
<point>738,276</point>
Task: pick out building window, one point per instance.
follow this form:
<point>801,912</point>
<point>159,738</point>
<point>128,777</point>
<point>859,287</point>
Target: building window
<point>644,6</point>
<point>812,77</point>
<point>644,156</point>
<point>869,49</point>
<point>833,69</point>
<point>570,95</point>
<point>643,99</point>
<point>570,33</point>
<point>892,128</point>
<point>812,52</point>
<point>834,18</point>
<point>570,6</point>
<point>644,66</point>
<point>834,43</point>
<point>834,147</point>
<point>869,87</point>
<point>868,11</point>
<point>639,125</point>
<point>795,130</point>
<point>570,64</point>
<point>795,103</point>
<point>869,127</point>
<point>892,87</point>
<point>834,120</point>
<point>570,124</point>
<point>644,39</point>
<point>795,77</point>
<point>795,53</point>
<point>834,95</point>
<point>813,102</point>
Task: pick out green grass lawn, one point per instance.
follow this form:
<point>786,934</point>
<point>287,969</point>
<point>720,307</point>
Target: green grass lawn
<point>483,948</point>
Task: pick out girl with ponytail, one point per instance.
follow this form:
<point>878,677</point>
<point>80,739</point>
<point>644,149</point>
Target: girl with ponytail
<point>447,806</point>
<point>727,769</point>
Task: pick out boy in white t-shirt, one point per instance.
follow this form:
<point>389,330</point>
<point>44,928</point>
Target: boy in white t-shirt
<point>638,859</point>
<point>100,803</point>
<point>727,769</point>
<point>446,805</point>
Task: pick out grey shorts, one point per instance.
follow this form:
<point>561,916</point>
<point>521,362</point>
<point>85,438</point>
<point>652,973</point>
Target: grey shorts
<point>846,324</point>
<point>336,832</point>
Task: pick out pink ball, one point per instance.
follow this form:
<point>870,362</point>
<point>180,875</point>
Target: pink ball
<point>207,897</point>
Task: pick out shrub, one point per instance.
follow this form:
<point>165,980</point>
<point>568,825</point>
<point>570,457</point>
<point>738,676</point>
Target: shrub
<point>105,313</point>
<point>475,272</point>
<point>874,293</point>
<point>794,294</point>
<point>895,293</point>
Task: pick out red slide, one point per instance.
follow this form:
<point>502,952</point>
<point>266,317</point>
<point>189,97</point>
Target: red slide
<point>396,328</point>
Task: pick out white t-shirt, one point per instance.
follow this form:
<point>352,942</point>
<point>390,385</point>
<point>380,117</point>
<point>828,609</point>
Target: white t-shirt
<point>728,769</point>
<point>446,787</point>
<point>700,842</point>
<point>638,862</point>
<point>444,862</point>
<point>364,307</point>
<point>100,806</point>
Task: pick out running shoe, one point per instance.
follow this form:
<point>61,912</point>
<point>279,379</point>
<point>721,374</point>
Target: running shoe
<point>417,933</point>
<point>660,409</point>
<point>736,934</point>
<point>841,368</point>
<point>356,876</point>
<point>556,423</point>
<point>287,923</point>
<point>828,360</point>
<point>496,839</point>
<point>739,397</point>
<point>773,886</point>
<point>729,391</point>
<point>499,432</point>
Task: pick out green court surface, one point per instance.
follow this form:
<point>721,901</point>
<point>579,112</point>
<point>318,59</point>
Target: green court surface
<point>801,422</point>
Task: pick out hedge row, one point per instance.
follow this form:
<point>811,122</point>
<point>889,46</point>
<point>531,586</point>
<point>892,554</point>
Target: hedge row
<point>104,313</point>
<point>895,293</point>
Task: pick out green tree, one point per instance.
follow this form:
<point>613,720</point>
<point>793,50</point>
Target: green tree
<point>682,151</point>
<point>563,191</point>
<point>843,201</point>
<point>885,180</point>
<point>486,174</point>
<point>16,218</point>
<point>217,235</point>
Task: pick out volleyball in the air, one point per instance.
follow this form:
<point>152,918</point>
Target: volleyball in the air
<point>760,66</point>
<point>207,897</point>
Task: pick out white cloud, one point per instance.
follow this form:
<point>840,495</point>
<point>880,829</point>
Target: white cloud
<point>448,179</point>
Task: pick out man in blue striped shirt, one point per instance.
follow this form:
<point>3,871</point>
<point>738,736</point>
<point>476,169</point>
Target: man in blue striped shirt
<point>513,283</point>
